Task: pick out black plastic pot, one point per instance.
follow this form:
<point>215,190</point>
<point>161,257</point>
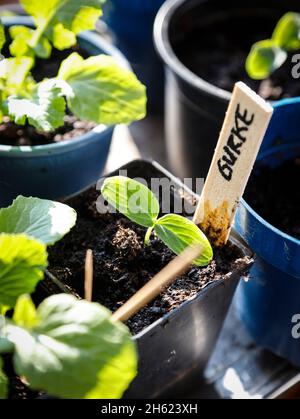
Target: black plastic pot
<point>195,108</point>
<point>183,340</point>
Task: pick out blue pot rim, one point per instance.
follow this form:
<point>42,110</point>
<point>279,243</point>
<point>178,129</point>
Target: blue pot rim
<point>286,102</point>
<point>56,148</point>
<point>263,155</point>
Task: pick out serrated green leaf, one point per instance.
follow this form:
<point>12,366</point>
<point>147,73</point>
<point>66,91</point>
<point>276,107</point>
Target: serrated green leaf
<point>14,73</point>
<point>45,111</point>
<point>23,261</point>
<point>21,36</point>
<point>69,17</point>
<point>3,382</point>
<point>101,91</point>
<point>2,36</point>
<point>25,313</point>
<point>131,198</point>
<point>19,46</point>
<point>75,350</point>
<point>44,220</point>
<point>109,385</point>
<point>63,38</point>
<point>287,32</point>
<point>264,58</point>
<point>178,233</point>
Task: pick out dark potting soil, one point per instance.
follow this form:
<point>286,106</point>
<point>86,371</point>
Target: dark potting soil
<point>122,264</point>
<point>217,53</point>
<point>274,194</point>
<point>18,135</point>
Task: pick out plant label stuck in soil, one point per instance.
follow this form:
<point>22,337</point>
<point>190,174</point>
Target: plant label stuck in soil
<point>243,130</point>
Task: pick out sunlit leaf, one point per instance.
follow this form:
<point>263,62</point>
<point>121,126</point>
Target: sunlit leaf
<point>23,261</point>
<point>120,97</point>
<point>132,199</point>
<point>179,233</point>
<point>265,57</point>
<point>75,350</point>
<point>44,220</point>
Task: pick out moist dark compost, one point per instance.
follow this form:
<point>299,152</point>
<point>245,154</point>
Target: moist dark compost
<point>122,264</point>
<point>217,53</point>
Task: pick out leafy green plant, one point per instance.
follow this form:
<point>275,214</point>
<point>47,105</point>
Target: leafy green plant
<point>96,89</point>
<point>26,228</point>
<point>140,205</point>
<point>67,347</point>
<point>268,55</point>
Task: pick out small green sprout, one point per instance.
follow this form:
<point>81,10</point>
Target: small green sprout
<point>268,55</point>
<point>140,205</point>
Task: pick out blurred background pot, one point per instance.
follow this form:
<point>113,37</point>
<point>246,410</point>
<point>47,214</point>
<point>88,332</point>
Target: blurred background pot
<point>62,169</point>
<point>268,302</point>
<point>202,44</point>
<point>131,23</point>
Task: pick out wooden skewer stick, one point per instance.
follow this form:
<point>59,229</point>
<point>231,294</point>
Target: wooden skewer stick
<point>244,127</point>
<point>154,287</point>
<point>88,275</point>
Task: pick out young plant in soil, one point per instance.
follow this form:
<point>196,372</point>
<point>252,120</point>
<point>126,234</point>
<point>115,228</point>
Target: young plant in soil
<point>67,347</point>
<point>26,228</point>
<point>140,205</point>
<point>95,89</point>
<point>268,55</point>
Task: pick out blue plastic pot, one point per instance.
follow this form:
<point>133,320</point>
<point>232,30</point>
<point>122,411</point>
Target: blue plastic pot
<point>270,299</point>
<point>57,171</point>
<point>131,22</point>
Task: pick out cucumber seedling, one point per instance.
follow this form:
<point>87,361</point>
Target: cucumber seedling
<point>268,55</point>
<point>140,205</point>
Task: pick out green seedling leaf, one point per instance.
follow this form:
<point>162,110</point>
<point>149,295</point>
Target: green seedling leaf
<point>287,32</point>
<point>140,205</point>
<point>25,312</point>
<point>61,20</point>
<point>20,46</point>
<point>3,382</point>
<point>23,261</point>
<point>265,57</point>
<point>44,220</point>
<point>131,198</point>
<point>45,111</point>
<point>75,350</point>
<point>178,233</point>
<point>101,91</point>
<point>14,73</point>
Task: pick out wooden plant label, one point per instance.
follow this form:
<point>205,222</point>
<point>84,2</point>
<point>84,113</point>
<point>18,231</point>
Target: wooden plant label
<point>244,127</point>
